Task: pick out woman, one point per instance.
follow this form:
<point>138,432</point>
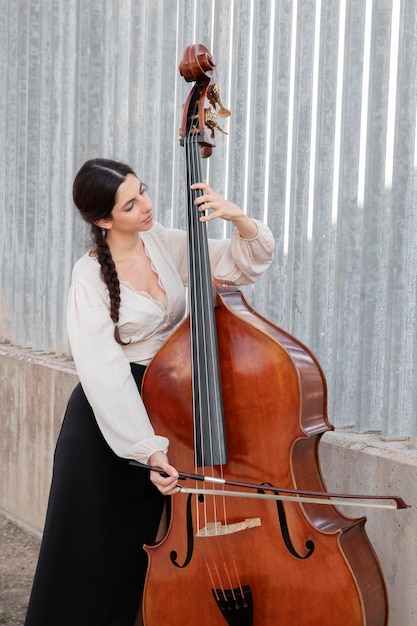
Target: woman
<point>125,299</point>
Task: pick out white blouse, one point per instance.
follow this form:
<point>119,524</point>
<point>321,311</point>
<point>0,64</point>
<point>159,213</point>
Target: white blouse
<point>103,365</point>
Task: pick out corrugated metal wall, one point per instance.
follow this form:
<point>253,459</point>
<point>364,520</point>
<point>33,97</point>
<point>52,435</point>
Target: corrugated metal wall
<point>321,144</point>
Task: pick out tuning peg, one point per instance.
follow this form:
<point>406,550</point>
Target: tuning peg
<point>211,120</point>
<point>215,95</point>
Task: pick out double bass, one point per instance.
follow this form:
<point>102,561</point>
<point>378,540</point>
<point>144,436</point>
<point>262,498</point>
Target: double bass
<point>239,397</point>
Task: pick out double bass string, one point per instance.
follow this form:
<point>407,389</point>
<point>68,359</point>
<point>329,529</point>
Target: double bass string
<point>207,397</point>
<point>202,332</point>
<point>198,303</point>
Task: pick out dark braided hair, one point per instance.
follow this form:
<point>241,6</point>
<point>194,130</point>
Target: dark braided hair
<point>94,192</point>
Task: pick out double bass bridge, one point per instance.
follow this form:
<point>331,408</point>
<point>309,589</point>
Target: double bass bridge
<point>213,529</point>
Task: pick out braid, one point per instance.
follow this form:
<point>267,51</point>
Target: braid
<point>109,273</point>
<point>94,192</point>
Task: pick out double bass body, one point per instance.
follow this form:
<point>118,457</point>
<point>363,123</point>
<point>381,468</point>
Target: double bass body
<point>304,564</point>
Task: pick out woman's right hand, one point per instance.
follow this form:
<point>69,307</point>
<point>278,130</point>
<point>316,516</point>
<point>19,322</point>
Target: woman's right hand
<point>168,486</point>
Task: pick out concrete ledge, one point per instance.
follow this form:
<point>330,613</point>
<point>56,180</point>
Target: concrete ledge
<point>34,391</point>
<point>367,464</point>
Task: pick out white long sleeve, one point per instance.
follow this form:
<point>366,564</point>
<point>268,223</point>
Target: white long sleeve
<point>105,374</point>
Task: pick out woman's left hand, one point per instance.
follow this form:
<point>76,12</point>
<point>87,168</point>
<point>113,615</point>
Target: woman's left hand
<point>220,207</point>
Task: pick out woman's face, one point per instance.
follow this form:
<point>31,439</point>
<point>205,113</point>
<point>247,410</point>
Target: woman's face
<point>133,209</point>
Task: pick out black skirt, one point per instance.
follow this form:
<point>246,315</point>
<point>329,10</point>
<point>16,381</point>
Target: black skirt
<point>101,512</point>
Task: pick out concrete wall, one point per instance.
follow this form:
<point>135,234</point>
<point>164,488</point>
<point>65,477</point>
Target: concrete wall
<point>33,395</point>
